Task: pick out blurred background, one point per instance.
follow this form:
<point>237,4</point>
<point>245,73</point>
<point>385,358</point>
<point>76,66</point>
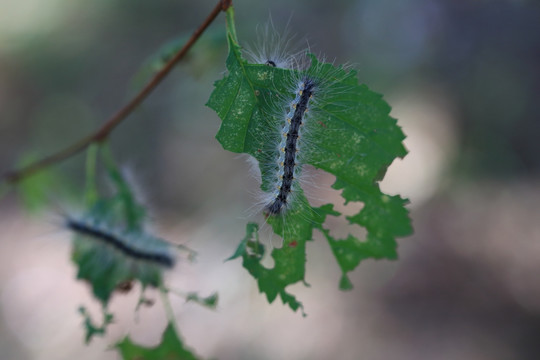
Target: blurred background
<point>463,78</point>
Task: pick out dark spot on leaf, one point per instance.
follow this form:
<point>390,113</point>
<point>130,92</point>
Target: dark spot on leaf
<point>125,286</point>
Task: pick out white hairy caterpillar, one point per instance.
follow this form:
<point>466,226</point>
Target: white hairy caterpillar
<point>295,115</point>
<point>137,247</point>
<point>288,163</point>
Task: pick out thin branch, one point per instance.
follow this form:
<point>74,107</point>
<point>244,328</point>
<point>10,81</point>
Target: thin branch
<point>102,133</point>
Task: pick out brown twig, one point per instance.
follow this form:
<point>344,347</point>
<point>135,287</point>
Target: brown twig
<point>103,132</point>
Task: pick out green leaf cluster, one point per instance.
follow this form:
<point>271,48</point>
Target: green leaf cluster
<point>103,266</point>
<point>106,268</point>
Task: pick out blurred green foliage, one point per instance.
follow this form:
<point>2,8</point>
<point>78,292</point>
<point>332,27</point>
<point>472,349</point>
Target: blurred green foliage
<point>170,347</point>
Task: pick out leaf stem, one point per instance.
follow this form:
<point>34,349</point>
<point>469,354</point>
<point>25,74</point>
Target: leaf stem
<point>164,292</point>
<point>133,212</point>
<point>91,193</point>
<point>231,28</point>
<point>103,132</point>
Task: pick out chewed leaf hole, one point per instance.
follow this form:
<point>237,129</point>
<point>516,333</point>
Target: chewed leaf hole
<point>340,227</point>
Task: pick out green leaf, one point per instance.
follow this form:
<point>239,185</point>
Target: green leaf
<point>91,189</point>
<point>170,348</point>
<point>209,301</point>
<point>351,136</point>
<point>92,329</point>
<point>289,260</point>
<point>105,266</point>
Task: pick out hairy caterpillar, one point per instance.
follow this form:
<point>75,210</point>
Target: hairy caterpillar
<point>134,246</point>
<point>294,112</point>
<point>288,169</point>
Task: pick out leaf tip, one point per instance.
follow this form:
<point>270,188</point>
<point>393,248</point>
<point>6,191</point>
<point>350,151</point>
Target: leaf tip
<point>345,283</point>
